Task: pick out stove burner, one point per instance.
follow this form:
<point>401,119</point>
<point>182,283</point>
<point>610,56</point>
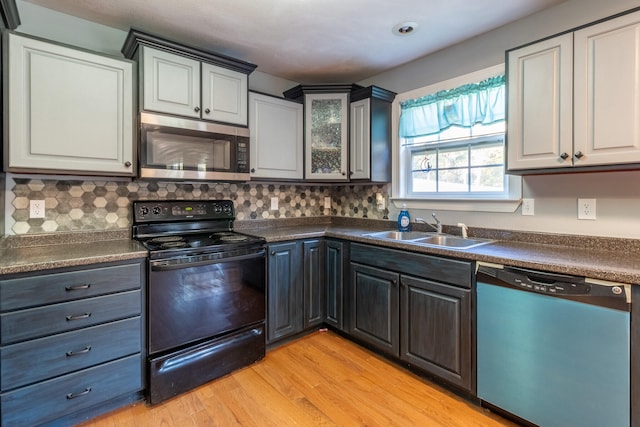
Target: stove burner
<point>166,239</point>
<point>233,238</point>
<point>174,244</point>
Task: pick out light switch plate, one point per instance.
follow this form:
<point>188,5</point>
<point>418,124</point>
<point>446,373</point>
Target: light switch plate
<point>274,203</point>
<point>327,202</point>
<point>528,207</point>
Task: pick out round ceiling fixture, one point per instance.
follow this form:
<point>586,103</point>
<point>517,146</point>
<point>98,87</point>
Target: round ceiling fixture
<point>405,28</point>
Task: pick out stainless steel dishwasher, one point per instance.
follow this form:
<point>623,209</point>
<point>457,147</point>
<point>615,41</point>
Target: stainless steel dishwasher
<point>553,349</point>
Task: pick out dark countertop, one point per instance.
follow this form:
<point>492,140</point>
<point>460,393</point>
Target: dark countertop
<point>66,250</point>
<point>619,261</point>
<point>611,264</point>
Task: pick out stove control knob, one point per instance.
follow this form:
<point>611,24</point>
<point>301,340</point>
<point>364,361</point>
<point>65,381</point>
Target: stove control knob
<point>217,208</point>
<point>157,210</point>
<point>144,210</point>
<point>227,209</point>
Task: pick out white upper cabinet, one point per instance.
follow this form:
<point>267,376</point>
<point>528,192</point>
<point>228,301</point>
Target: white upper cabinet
<point>360,144</point>
<point>224,95</point>
<point>607,92</point>
<point>69,110</point>
<point>347,133</point>
<point>181,80</point>
<point>574,100</point>
<point>276,129</point>
<point>370,138</point>
<point>171,83</point>
<point>540,104</point>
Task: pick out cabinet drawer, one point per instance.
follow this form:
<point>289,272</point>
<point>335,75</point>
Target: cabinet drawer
<point>49,357</point>
<point>455,272</point>
<point>58,287</point>
<point>55,398</point>
<point>37,322</point>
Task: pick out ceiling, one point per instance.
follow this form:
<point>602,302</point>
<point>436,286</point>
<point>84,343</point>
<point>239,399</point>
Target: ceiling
<point>308,41</point>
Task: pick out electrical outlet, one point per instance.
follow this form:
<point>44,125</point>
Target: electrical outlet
<point>327,202</point>
<point>274,203</point>
<point>380,202</point>
<point>528,207</point>
<point>36,208</point>
<point>587,209</point>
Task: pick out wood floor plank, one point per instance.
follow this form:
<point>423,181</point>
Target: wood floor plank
<point>319,380</point>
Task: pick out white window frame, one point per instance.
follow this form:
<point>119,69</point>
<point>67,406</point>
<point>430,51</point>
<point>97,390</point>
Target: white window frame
<point>448,201</point>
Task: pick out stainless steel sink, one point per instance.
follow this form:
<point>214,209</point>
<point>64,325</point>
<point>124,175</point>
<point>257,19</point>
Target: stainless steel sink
<point>451,241</point>
<point>400,235</point>
<point>430,239</point>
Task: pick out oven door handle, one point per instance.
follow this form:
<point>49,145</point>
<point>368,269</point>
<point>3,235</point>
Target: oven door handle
<point>159,266</point>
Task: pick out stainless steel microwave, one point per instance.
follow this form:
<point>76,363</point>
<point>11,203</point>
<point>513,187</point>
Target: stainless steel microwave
<point>184,149</point>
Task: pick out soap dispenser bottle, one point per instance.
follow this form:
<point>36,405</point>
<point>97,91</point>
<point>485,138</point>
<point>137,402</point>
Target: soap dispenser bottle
<point>404,220</point>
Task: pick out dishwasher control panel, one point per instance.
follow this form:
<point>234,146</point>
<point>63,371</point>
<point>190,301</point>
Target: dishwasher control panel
<point>558,285</point>
<point>560,288</point>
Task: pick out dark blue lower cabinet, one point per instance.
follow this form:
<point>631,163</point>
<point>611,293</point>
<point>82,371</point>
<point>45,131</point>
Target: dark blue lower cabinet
<point>296,287</point>
<point>417,308</point>
<point>52,399</point>
<point>71,343</point>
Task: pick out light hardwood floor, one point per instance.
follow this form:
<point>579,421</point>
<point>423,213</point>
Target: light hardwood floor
<point>319,380</point>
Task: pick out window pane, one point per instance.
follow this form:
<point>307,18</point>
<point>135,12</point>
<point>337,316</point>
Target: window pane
<point>453,157</point>
<point>423,139</point>
<point>423,182</point>
<point>422,160</point>
<point>453,180</point>
<point>490,129</point>
<point>487,154</point>
<point>489,179</point>
<point>455,132</point>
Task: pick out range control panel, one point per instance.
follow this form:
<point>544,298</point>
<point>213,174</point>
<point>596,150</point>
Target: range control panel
<point>182,210</point>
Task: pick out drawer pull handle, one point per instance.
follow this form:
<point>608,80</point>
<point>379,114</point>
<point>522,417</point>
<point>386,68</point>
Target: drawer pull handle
<point>82,393</point>
<point>79,316</point>
<point>77,287</point>
<point>87,349</point>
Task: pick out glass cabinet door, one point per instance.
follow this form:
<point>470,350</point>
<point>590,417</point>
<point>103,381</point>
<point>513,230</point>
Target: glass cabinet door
<point>326,136</point>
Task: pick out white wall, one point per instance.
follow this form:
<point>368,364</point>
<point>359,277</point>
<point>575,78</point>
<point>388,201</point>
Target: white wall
<point>617,193</point>
<point>488,49</point>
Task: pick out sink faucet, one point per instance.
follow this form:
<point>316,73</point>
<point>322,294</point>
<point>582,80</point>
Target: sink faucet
<point>437,226</point>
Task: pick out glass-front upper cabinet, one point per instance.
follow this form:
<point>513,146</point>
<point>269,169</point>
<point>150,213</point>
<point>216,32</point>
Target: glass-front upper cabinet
<point>326,136</point>
<point>326,139</point>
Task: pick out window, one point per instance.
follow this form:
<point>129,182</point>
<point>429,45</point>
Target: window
<point>451,144</point>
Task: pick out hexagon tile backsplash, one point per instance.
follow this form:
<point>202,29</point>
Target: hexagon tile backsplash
<point>73,205</point>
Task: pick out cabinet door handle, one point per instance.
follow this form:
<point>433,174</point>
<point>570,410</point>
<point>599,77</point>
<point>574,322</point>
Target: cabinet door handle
<point>207,111</point>
<point>564,156</point>
<point>77,287</point>
<point>579,155</point>
<point>253,170</point>
<point>344,174</point>
<point>127,164</point>
<point>394,282</point>
<point>273,253</point>
<point>79,316</point>
<point>85,350</point>
<point>197,109</point>
<point>82,393</point>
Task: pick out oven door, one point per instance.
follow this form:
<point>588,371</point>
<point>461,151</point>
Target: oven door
<point>192,302</point>
<point>179,148</point>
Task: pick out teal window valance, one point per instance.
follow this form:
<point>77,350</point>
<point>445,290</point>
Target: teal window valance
<point>482,102</point>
